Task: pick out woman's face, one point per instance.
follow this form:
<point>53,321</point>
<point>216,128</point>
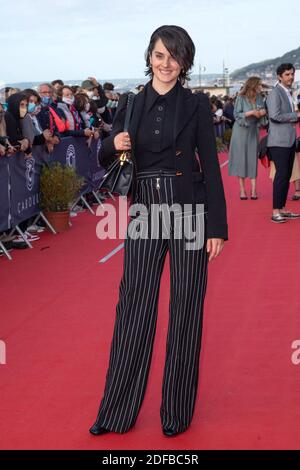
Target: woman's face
<point>165,68</point>
<point>259,88</point>
<point>67,93</point>
<point>33,99</point>
<point>23,108</point>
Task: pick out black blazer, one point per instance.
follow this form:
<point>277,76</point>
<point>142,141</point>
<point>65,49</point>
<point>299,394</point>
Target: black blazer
<point>193,134</point>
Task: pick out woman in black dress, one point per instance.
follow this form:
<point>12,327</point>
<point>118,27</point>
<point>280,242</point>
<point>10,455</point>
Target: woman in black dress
<point>171,138</point>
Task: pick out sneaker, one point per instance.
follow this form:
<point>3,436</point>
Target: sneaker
<point>290,215</point>
<point>30,237</point>
<point>278,219</point>
<point>35,228</point>
<point>18,240</point>
<point>78,209</point>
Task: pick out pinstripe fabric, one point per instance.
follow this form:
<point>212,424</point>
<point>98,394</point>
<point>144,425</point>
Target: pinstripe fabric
<point>136,317</point>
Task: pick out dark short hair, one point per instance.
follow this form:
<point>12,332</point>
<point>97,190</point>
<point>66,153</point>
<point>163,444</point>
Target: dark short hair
<point>108,86</point>
<point>29,92</point>
<point>179,44</point>
<point>283,68</point>
<point>80,101</point>
<point>57,82</point>
<point>75,88</point>
<point>67,87</point>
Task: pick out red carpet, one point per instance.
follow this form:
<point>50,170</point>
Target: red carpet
<point>57,314</point>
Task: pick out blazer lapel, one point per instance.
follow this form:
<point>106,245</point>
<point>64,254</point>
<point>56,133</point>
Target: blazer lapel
<point>138,106</point>
<point>284,96</point>
<point>185,107</point>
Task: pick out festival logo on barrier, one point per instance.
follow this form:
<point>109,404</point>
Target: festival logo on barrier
<point>71,156</point>
<point>29,173</point>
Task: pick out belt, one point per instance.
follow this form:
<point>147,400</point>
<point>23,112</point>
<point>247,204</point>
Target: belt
<point>155,173</point>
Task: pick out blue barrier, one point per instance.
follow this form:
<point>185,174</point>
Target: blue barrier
<point>20,177</point>
<point>4,194</point>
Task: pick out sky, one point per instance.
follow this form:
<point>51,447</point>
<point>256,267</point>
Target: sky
<point>42,40</point>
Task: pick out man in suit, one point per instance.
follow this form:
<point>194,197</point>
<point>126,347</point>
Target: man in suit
<point>282,138</point>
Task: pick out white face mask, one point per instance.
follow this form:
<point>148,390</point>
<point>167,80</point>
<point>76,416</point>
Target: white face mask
<point>87,107</point>
<point>101,110</point>
<point>69,101</point>
<point>90,94</point>
<point>95,98</point>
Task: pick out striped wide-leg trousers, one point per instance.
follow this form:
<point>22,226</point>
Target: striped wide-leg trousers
<point>136,317</point>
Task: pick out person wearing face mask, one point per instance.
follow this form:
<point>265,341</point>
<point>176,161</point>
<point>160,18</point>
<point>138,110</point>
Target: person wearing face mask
<point>76,124</point>
<point>82,105</point>
<point>88,87</point>
<point>30,125</point>
<point>17,108</point>
<point>109,112</point>
<point>50,116</point>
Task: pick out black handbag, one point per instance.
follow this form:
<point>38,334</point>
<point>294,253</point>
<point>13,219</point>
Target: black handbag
<point>118,177</point>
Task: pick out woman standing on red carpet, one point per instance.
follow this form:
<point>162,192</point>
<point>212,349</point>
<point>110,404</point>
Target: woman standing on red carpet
<point>170,126</point>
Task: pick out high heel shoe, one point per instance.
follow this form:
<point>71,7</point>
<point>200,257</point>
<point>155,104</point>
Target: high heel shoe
<point>243,198</point>
<point>170,432</point>
<point>97,430</point>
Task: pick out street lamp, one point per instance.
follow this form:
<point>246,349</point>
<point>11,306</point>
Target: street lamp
<point>201,69</point>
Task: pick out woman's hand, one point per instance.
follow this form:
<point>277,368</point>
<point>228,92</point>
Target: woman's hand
<point>2,151</point>
<point>47,135</point>
<point>94,81</point>
<point>55,140</point>
<point>214,246</point>
<point>88,133</point>
<point>24,145</point>
<point>29,155</point>
<point>253,112</point>
<point>11,150</point>
<point>122,141</point>
<point>262,112</point>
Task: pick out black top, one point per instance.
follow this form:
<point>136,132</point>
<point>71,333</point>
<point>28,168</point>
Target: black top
<point>154,140</point>
<point>13,120</point>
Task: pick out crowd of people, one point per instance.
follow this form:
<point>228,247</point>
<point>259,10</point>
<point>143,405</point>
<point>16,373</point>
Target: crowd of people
<point>55,110</point>
<point>29,117</point>
<point>44,116</point>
